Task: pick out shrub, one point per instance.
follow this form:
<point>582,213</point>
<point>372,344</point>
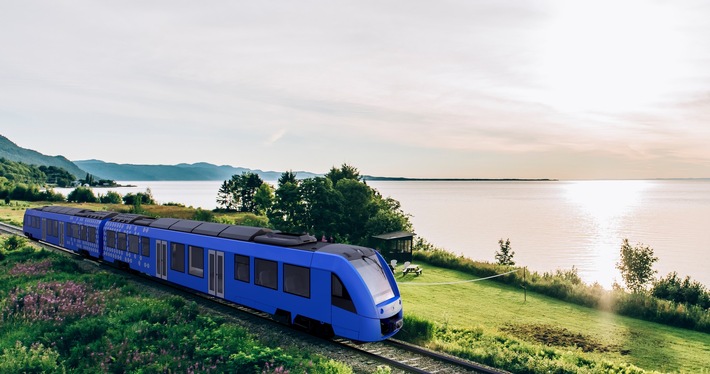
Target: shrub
<point>14,242</point>
<point>82,195</point>
<point>681,291</point>
<point>417,330</point>
<point>111,197</point>
<point>35,359</point>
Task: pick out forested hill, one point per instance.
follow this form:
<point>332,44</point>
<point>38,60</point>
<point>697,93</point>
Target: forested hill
<point>179,172</point>
<point>13,152</point>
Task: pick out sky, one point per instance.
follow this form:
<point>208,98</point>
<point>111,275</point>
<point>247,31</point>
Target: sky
<point>558,89</point>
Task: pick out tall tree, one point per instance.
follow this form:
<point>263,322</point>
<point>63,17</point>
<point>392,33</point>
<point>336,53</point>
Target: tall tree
<point>505,255</point>
<point>345,172</point>
<point>225,198</point>
<point>263,199</point>
<point>287,202</point>
<point>636,265</point>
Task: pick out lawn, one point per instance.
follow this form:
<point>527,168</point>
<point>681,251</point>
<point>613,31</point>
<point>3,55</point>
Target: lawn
<point>498,309</point>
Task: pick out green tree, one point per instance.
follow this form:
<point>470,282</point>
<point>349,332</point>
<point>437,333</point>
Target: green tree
<point>263,198</point>
<point>111,197</point>
<point>225,199</point>
<point>636,265</point>
<point>144,197</point>
<point>82,195</point>
<point>320,206</point>
<point>287,203</point>
<point>238,192</point>
<point>345,172</point>
<point>505,255</point>
<point>358,207</point>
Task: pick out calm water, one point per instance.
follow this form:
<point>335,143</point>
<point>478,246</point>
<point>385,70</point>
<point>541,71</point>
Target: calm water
<point>551,225</point>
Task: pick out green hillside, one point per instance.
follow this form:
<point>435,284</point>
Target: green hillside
<point>13,152</point>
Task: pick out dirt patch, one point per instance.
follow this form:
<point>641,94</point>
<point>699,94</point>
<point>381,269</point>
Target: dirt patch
<point>557,336</point>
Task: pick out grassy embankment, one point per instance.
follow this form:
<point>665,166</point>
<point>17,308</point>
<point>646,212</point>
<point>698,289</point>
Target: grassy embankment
<point>57,317</point>
<point>491,323</point>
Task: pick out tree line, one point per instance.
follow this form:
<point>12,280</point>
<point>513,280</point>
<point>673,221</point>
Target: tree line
<point>338,206</point>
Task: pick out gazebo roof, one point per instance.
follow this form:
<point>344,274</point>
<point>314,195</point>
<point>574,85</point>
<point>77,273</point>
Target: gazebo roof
<point>395,235</point>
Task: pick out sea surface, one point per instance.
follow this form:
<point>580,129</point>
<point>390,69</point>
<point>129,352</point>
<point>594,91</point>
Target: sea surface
<point>551,225</point>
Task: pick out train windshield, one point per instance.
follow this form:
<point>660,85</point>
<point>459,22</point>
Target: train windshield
<point>374,275</point>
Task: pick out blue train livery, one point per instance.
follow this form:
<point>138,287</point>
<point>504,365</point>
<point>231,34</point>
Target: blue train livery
<point>327,288</point>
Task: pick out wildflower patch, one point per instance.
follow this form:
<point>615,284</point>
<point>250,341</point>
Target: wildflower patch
<point>54,301</point>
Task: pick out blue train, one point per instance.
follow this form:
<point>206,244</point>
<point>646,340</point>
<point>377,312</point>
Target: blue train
<point>329,289</point>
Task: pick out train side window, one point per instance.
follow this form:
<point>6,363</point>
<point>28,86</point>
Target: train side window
<point>91,232</point>
<point>121,242</point>
<point>267,273</point>
<point>339,295</point>
<point>75,231</point>
<point>241,263</point>
<point>145,246</point>
<point>133,244</point>
<point>297,280</point>
<point>110,239</point>
<point>197,261</point>
<point>177,257</point>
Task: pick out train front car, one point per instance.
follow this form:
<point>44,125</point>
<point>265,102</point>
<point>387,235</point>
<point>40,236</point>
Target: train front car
<point>366,304</point>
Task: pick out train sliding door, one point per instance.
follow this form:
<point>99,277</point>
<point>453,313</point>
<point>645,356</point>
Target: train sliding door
<point>215,264</point>
<point>44,229</point>
<point>161,259</point>
<point>61,234</point>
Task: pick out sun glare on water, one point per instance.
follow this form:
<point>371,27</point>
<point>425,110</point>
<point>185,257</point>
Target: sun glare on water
<point>603,206</point>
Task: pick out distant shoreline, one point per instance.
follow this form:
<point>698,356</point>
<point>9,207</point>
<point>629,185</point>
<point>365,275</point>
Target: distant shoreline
<point>403,179</point>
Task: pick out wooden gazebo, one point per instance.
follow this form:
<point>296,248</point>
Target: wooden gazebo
<point>395,245</point>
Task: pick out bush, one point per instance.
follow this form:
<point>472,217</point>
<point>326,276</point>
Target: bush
<point>82,195</point>
<point>681,291</point>
<point>416,330</point>
<point>14,242</point>
<point>111,197</point>
<point>35,359</point>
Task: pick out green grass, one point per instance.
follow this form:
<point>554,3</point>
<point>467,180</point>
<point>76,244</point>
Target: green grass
<point>500,310</point>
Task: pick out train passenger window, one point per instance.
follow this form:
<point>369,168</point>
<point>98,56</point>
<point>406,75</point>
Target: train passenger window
<point>52,227</point>
<point>133,244</point>
<point>145,246</point>
<point>197,261</point>
<point>91,234</point>
<point>177,257</point>
<point>241,264</point>
<point>110,239</point>
<point>267,273</point>
<point>83,235</point>
<point>75,231</point>
<point>297,280</point>
<point>339,295</point>
<point>121,242</point>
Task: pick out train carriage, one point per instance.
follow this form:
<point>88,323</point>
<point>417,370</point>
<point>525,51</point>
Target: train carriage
<point>328,288</point>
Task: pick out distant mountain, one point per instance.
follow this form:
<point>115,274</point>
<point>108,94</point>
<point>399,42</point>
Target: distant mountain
<point>13,152</point>
<point>179,172</point>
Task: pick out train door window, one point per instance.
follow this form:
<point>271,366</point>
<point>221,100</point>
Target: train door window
<point>145,246</point>
<point>267,273</point>
<point>339,295</point>
<point>197,261</point>
<point>133,244</point>
<point>91,234</point>
<point>121,241</point>
<point>83,233</point>
<point>177,257</point>
<point>110,239</point>
<point>241,264</point>
<point>297,280</point>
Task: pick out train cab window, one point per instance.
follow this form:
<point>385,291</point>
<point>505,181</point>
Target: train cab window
<point>121,241</point>
<point>145,246</point>
<point>91,234</point>
<point>197,261</point>
<point>177,257</point>
<point>133,244</point>
<point>297,280</point>
<point>266,273</point>
<point>241,264</point>
<point>110,239</point>
<point>339,295</point>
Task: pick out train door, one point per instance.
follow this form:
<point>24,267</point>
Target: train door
<point>61,234</point>
<point>44,229</point>
<point>215,264</point>
<point>161,259</point>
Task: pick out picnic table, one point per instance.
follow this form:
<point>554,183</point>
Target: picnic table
<point>411,268</point>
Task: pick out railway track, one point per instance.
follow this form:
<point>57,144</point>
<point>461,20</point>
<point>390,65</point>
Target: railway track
<point>397,354</point>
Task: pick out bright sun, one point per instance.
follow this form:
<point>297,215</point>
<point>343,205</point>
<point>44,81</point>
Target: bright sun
<point>610,56</point>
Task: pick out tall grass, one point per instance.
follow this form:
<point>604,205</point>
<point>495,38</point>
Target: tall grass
<point>568,286</point>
